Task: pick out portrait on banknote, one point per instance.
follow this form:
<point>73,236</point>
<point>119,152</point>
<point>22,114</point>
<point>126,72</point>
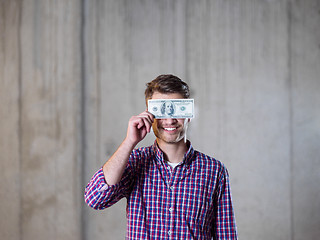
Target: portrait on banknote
<point>168,108</point>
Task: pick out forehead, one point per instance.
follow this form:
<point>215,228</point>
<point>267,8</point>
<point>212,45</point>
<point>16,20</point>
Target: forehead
<point>158,95</point>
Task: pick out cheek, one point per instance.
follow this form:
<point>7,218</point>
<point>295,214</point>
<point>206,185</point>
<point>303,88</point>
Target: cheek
<point>155,125</point>
<point>181,122</point>
<point>157,122</point>
<point>155,129</point>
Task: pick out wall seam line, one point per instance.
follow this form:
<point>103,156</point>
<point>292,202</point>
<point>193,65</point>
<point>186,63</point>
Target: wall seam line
<point>20,134</point>
<point>291,147</point>
<point>82,113</point>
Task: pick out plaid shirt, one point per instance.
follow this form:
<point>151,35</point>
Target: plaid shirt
<point>191,201</point>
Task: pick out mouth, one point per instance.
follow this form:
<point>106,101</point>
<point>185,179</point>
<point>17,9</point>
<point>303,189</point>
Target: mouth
<point>170,129</point>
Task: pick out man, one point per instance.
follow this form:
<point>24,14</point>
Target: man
<point>172,190</point>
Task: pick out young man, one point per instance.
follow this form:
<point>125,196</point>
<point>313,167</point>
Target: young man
<point>172,190</point>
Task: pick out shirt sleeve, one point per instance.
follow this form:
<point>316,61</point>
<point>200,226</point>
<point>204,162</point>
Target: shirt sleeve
<point>99,195</point>
<point>225,224</point>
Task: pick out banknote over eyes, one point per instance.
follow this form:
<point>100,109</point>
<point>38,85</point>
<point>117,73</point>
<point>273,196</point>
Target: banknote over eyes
<point>171,108</point>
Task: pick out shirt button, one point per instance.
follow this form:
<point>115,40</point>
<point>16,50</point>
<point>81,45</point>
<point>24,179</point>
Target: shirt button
<point>170,209</point>
<point>169,232</point>
<point>171,188</point>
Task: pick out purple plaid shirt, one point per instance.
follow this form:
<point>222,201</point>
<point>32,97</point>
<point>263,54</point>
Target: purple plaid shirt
<point>191,201</point>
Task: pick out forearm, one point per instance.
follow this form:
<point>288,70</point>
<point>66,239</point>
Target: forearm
<point>115,166</point>
<point>138,127</point>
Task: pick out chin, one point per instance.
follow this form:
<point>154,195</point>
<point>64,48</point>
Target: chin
<point>172,139</point>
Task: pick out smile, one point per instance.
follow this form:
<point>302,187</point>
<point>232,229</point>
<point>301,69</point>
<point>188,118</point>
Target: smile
<point>170,129</point>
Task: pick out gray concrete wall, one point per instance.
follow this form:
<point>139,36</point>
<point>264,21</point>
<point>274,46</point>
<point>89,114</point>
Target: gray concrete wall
<point>73,72</point>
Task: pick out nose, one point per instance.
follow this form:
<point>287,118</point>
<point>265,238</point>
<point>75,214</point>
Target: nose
<point>170,121</point>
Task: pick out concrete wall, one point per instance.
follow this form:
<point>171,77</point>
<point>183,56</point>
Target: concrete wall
<point>73,72</point>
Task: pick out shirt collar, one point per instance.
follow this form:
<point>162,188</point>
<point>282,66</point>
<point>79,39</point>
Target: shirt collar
<point>188,156</point>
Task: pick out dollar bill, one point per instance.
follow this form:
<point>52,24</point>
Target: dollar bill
<point>171,108</point>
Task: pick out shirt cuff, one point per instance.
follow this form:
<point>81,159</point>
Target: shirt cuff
<point>104,186</point>
<point>99,180</point>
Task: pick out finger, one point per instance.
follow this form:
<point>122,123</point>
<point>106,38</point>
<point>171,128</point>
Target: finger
<point>150,114</point>
<point>137,122</point>
<point>147,115</point>
<point>141,123</point>
<point>147,123</point>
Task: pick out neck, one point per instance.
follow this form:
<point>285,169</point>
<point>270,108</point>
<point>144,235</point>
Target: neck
<point>173,152</point>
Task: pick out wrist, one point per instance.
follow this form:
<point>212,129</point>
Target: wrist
<point>128,144</point>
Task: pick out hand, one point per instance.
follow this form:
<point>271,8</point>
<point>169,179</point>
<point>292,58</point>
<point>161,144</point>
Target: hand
<point>138,127</point>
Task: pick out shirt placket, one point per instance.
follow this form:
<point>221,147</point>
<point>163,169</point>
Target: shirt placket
<point>170,206</point>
